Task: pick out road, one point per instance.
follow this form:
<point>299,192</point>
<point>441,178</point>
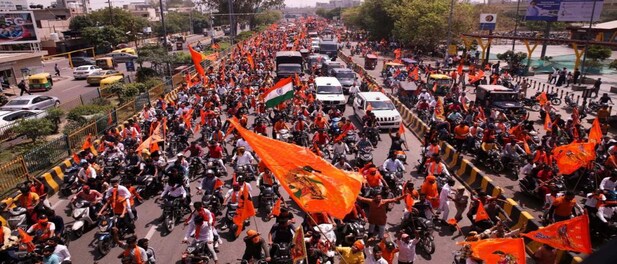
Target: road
<point>230,251</point>
<point>68,89</point>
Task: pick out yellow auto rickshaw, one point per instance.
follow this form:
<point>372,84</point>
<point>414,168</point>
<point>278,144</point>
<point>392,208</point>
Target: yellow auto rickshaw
<point>370,61</point>
<point>40,82</point>
<point>109,81</point>
<point>106,63</point>
<point>389,65</point>
<point>444,83</point>
<point>126,50</point>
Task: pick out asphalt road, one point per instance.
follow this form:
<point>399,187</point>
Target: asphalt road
<point>169,249</point>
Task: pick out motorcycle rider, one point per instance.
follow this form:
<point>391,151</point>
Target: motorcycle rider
<point>196,151</point>
<point>134,252</point>
<point>232,196</point>
<point>94,197</point>
<point>563,207</point>
<point>392,164</point>
<point>364,143</point>
<point>203,233</point>
<point>267,179</point>
<point>59,250</point>
<point>342,164</point>
<point>215,153</point>
<point>209,185</point>
<point>255,245</point>
<point>279,125</point>
<point>174,191</point>
<point>436,168</point>
<point>29,200</point>
<point>87,173</point>
<point>243,158</point>
<point>397,142</point>
<point>406,247</point>
<point>374,255</point>
<point>339,150</point>
<point>42,230</point>
<point>512,150</point>
<point>321,138</point>
<point>281,233</point>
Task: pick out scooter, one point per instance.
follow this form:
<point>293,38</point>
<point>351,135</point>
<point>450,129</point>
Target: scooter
<point>15,217</point>
<point>70,183</point>
<point>364,156</point>
<point>196,252</point>
<point>82,215</point>
<point>146,186</point>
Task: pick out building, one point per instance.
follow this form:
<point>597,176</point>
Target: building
<point>15,65</point>
<point>142,9</point>
<point>606,31</point>
<point>338,3</point>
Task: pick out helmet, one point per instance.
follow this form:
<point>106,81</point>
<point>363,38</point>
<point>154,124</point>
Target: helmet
<point>390,245</point>
<point>209,172</point>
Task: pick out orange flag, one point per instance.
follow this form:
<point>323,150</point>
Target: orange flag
<point>298,251</point>
<point>245,210</point>
<point>202,117</point>
<point>548,123</point>
<point>110,119</point>
<point>276,209</point>
<point>76,157</point>
<point>196,56</point>
<point>154,146</point>
<point>542,99</point>
<point>312,182</point>
<point>218,184</point>
<point>87,143</point>
<point>570,235</point>
<point>459,69</point>
<point>573,156</point>
<point>526,147</point>
<point>187,118</point>
<point>480,213</point>
<point>415,75</point>
<point>435,87</point>
<point>249,59</point>
<point>595,133</point>
<point>212,57</point>
<point>499,250</point>
<point>479,75</point>
<point>401,129</point>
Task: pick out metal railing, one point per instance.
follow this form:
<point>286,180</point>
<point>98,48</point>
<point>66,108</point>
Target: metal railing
<point>12,173</point>
<point>47,154</point>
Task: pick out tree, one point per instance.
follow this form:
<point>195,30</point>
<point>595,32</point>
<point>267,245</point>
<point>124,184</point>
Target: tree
<point>119,19</point>
<point>514,60</point>
<point>268,17</point>
<point>352,17</point>
<point>55,115</point>
<point>104,38</point>
<point>243,6</point>
<point>598,53</point>
<point>34,128</point>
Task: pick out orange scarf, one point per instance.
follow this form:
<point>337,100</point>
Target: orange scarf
<point>136,253</point>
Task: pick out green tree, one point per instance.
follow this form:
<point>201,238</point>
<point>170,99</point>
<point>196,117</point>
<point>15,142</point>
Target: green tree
<point>55,115</point>
<point>268,17</point>
<point>598,53</point>
<point>352,17</point>
<point>34,128</point>
<point>119,19</point>
<point>104,38</point>
<point>243,6</point>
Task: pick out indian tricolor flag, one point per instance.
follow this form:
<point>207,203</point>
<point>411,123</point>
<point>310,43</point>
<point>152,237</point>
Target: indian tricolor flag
<point>280,92</point>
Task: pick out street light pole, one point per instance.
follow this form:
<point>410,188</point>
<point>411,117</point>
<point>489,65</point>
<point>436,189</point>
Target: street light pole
<point>232,30</point>
<point>111,14</point>
<point>593,12</point>
<point>165,44</point>
<point>518,19</point>
<point>449,41</point>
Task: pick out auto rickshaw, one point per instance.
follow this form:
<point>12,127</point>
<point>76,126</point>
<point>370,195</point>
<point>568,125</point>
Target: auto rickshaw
<point>126,50</point>
<point>444,83</point>
<point>40,82</point>
<point>106,63</point>
<point>408,62</point>
<point>395,65</point>
<point>107,82</point>
<point>370,61</point>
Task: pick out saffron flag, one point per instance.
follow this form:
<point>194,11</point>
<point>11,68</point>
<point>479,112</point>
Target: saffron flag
<point>548,123</point>
<point>197,57</point>
<point>212,57</point>
<point>595,133</point>
<point>573,156</point>
<point>401,129</point>
<point>435,87</point>
<point>459,69</point>
<point>312,182</point>
<point>479,75</point>
<point>157,136</point>
<point>276,209</point>
<point>439,111</point>
<point>481,213</point>
<point>526,147</point>
<point>250,60</point>
<point>298,251</point>
<point>87,143</point>
<point>570,235</point>
<point>26,239</point>
<point>246,209</point>
<point>415,75</point>
<point>110,119</point>
<point>280,92</point>
<point>499,250</point>
<point>542,99</point>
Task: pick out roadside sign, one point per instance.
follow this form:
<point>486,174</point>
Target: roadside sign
<point>564,10</point>
<point>488,21</point>
<point>130,66</point>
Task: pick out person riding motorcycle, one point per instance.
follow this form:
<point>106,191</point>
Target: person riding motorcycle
<point>256,247</point>
<point>512,150</point>
<point>215,153</point>
<point>87,173</point>
<point>203,232</point>
<point>42,230</point>
<point>267,179</point>
<point>392,164</point>
<point>321,138</point>
<point>92,196</point>
<point>436,167</point>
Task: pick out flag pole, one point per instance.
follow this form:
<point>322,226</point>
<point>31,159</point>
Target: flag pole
<point>324,235</point>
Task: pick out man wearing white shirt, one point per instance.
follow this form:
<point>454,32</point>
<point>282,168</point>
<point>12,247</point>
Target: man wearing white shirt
<point>609,183</point>
<point>444,199</point>
<point>392,164</point>
<point>60,250</point>
<point>242,143</point>
<point>243,157</point>
<point>203,233</point>
<point>122,194</point>
<point>374,255</point>
<point>87,173</point>
<point>406,248</point>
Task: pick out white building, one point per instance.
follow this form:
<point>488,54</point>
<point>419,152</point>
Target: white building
<point>142,9</point>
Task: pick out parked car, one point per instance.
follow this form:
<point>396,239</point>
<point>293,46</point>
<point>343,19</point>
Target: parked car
<point>96,77</point>
<point>121,57</point>
<point>8,118</point>
<point>81,61</point>
<point>82,72</point>
<point>31,102</point>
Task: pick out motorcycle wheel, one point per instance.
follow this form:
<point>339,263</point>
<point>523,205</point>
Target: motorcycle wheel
<point>232,231</point>
<point>535,107</point>
<point>168,224</point>
<point>67,237</point>
<point>556,101</point>
<point>78,233</point>
<point>428,246</point>
<point>104,247</point>
<point>497,166</point>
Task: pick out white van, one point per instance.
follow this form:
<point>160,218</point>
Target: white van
<point>384,110</point>
<point>330,92</point>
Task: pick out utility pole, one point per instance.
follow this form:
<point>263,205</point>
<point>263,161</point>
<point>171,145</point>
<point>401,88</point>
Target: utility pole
<point>449,41</point>
<point>232,30</point>
<point>518,19</point>
<point>111,14</point>
<point>165,44</point>
<point>593,12</point>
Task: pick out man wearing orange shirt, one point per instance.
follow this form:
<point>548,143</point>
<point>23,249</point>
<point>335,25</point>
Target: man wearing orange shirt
<point>563,207</point>
<point>461,132</point>
<point>429,188</point>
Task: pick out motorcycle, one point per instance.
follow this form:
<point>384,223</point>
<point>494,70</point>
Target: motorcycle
<point>15,217</point>
<point>104,237</point>
<point>395,181</point>
<point>146,185</point>
<point>552,97</point>
<point>195,168</point>
<point>333,127</point>
<point>532,104</point>
<point>212,203</point>
<point>594,106</point>
<point>197,252</point>
<point>229,218</point>
<point>246,171</point>
<point>528,185</point>
<point>281,253</point>
<point>425,228</point>
<point>493,161</point>
<point>82,213</point>
<point>266,198</point>
<point>570,102</point>
<point>173,210</point>
<point>372,134</point>
<point>284,135</point>
<point>350,139</point>
<point>364,156</point>
<point>214,165</point>
<point>301,138</point>
<point>350,232</point>
<point>70,183</point>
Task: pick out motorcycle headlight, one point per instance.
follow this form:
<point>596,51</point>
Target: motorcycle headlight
<point>103,228</point>
<point>190,250</point>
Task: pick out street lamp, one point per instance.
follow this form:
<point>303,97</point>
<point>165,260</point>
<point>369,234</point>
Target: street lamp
<point>449,41</point>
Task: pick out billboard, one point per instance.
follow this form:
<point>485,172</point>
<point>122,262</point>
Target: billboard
<point>563,10</point>
<point>488,21</point>
<point>17,27</point>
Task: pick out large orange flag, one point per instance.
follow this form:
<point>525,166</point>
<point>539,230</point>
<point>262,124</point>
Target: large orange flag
<point>481,213</point>
<point>196,56</point>
<point>87,143</point>
<point>571,235</point>
<point>414,74</point>
<point>439,111</point>
<point>157,136</point>
<point>245,210</point>
<point>542,99</point>
<point>312,182</point>
<point>479,75</point>
<point>499,250</point>
<point>595,133</point>
<point>573,156</point>
<point>250,60</point>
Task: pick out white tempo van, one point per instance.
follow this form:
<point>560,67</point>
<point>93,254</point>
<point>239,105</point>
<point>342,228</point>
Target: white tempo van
<point>330,92</point>
<point>384,110</point>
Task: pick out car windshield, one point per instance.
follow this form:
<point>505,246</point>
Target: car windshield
<point>290,68</point>
<point>382,105</point>
<point>504,97</point>
<point>98,73</point>
<point>327,89</point>
<point>345,75</point>
<point>331,47</point>
<point>18,102</point>
<point>441,82</point>
<point>83,68</point>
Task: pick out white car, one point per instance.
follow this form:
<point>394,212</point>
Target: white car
<point>10,118</point>
<point>82,72</point>
<point>330,92</point>
<point>385,112</point>
<point>31,102</point>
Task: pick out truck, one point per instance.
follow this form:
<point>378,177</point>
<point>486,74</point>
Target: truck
<point>288,63</point>
<point>329,47</point>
